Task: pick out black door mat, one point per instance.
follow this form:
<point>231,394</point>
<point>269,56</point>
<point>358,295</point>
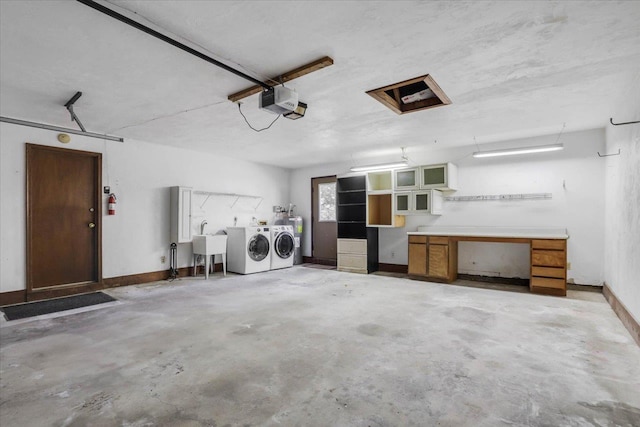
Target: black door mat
<point>38,308</point>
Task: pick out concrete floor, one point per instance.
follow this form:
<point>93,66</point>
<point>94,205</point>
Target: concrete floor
<point>313,347</point>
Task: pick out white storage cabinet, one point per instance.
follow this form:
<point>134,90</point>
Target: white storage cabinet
<point>180,219</point>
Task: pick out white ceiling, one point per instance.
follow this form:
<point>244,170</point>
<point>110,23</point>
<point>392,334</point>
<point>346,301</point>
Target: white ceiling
<point>512,69</point>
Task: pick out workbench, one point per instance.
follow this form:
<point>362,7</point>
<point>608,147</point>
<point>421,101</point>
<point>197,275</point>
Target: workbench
<point>433,253</point>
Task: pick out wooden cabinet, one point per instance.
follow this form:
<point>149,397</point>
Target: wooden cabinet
<point>357,244</point>
<point>418,255</point>
<point>441,177</point>
<point>433,257</point>
<point>380,203</point>
<point>549,266</point>
<point>180,214</point>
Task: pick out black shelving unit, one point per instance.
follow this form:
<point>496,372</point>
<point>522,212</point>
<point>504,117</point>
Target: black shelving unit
<point>351,216</point>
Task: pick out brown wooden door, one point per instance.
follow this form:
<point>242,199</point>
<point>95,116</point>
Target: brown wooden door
<point>63,220</point>
<point>324,228</point>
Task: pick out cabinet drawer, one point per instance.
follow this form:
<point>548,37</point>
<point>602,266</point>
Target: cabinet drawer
<point>417,239</point>
<point>352,246</point>
<point>439,240</point>
<point>548,244</point>
<point>352,261</point>
<point>548,272</point>
<point>548,258</point>
<point>543,282</point>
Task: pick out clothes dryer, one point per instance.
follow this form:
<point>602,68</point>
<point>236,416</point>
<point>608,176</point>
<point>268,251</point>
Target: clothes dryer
<point>248,249</point>
<point>283,246</point>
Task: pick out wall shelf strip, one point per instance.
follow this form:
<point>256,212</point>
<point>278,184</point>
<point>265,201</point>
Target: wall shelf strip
<point>522,196</point>
<point>236,195</point>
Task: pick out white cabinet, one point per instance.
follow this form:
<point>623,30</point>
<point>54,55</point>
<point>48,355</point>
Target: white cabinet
<point>427,202</point>
<point>418,202</point>
<point>407,179</point>
<point>380,182</point>
<point>440,177</point>
<point>352,255</point>
<point>180,218</point>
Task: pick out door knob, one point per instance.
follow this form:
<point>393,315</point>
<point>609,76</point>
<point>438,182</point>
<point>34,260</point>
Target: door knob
<point>91,225</point>
<point>91,209</point>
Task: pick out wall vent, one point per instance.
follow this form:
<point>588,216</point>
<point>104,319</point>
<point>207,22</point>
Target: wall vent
<point>411,95</point>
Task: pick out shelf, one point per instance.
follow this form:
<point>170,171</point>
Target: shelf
<point>351,191</point>
<point>351,222</point>
<point>351,204</point>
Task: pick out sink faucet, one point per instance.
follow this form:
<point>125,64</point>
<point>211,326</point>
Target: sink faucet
<point>202,224</point>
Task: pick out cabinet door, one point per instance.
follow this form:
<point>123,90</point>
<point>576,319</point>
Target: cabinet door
<point>184,215</point>
<point>180,218</point>
<point>422,202</point>
<point>439,261</point>
<point>402,203</point>
<point>406,179</point>
<point>418,259</point>
<point>434,176</point>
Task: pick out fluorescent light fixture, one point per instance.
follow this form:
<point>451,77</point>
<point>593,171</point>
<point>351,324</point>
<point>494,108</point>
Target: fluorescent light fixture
<point>514,151</point>
<point>381,166</point>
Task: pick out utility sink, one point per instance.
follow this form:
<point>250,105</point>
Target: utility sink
<point>208,245</point>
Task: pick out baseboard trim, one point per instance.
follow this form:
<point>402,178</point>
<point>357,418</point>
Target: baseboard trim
<point>18,297</point>
<point>623,314</point>
<point>13,297</point>
<point>321,261</point>
<point>393,268</point>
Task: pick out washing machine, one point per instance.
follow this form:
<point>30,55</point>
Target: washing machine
<point>283,246</point>
<point>248,249</point>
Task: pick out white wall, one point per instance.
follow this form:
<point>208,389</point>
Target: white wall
<point>140,174</point>
<point>622,265</point>
<point>574,176</point>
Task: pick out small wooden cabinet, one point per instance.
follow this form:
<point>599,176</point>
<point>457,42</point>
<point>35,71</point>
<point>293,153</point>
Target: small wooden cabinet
<point>433,257</point>
<point>380,203</point>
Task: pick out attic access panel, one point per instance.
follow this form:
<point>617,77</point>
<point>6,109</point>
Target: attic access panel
<point>411,95</point>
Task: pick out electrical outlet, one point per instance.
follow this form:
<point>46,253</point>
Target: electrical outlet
<point>568,265</point>
<point>393,254</point>
<point>163,259</point>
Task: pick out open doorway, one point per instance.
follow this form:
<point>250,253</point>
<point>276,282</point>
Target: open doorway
<point>323,220</point>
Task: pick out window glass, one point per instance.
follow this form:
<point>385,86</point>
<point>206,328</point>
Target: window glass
<point>327,195</point>
<point>434,176</point>
<point>406,178</point>
<point>422,202</point>
<point>402,202</point>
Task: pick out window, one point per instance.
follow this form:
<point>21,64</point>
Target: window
<point>327,201</point>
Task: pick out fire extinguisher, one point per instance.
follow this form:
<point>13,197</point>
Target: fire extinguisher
<point>112,204</point>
